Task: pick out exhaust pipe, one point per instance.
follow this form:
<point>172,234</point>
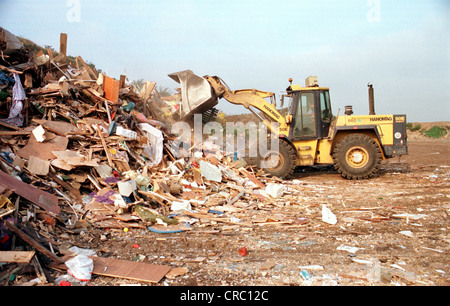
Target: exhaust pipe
<point>371,100</point>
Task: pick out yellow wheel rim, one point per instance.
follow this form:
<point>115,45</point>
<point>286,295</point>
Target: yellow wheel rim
<point>357,157</point>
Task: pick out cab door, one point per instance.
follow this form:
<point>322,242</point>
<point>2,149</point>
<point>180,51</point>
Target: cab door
<point>304,116</point>
<point>324,114</point>
<point>304,128</point>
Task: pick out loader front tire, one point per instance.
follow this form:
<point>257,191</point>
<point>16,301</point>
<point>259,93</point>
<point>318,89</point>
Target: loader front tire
<point>280,163</point>
<point>357,157</point>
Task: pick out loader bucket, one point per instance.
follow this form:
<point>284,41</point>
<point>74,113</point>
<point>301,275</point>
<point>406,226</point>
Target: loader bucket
<point>197,95</point>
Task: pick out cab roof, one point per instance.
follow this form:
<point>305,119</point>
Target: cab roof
<point>301,88</point>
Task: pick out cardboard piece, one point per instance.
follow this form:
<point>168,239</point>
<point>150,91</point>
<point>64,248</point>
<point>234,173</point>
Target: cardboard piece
<point>38,166</point>
<point>43,150</point>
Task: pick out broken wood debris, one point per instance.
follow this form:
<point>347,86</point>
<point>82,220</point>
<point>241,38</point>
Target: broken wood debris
<point>81,162</point>
<point>28,239</point>
<point>89,155</point>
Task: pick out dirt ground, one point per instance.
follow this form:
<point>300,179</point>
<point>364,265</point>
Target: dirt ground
<point>391,230</point>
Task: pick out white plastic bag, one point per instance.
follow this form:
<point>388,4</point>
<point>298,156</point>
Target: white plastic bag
<point>154,147</point>
<point>179,206</point>
<point>328,216</point>
<point>80,267</point>
<point>275,190</point>
<point>210,172</point>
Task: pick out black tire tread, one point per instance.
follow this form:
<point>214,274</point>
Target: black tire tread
<point>344,169</point>
<point>290,158</point>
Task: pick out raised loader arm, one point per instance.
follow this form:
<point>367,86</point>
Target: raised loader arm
<point>249,98</point>
<point>202,93</point>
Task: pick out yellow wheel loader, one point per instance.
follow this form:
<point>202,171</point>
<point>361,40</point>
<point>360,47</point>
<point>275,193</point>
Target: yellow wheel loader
<point>308,135</point>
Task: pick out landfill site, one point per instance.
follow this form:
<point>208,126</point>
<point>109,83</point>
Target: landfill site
<point>92,193</point>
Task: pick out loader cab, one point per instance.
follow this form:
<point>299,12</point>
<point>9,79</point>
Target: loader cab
<point>310,109</point>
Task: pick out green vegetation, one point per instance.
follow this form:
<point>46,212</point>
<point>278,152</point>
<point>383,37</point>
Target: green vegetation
<point>33,48</point>
<point>436,132</point>
<point>163,91</point>
<point>413,126</point>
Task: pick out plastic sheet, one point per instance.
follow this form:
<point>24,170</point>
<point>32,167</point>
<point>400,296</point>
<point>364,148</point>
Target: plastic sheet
<point>154,147</point>
<point>80,267</point>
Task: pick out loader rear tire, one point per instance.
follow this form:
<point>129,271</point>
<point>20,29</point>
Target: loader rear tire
<point>357,157</point>
<point>284,162</point>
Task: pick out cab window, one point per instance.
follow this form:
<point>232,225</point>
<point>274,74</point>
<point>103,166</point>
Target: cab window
<point>325,109</point>
<point>305,119</point>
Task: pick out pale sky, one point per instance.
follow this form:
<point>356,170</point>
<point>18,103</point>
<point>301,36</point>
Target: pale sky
<point>402,47</point>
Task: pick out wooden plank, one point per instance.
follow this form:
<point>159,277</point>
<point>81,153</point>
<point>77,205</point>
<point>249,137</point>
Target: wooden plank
<point>122,80</point>
<point>63,44</point>
<point>138,271</point>
<point>14,133</point>
<point>43,199</point>
<point>16,256</point>
<point>111,164</point>
<point>111,88</point>
<point>9,126</point>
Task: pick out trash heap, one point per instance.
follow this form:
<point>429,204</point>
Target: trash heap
<point>80,150</point>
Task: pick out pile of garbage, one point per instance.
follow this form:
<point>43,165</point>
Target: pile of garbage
<point>80,149</point>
